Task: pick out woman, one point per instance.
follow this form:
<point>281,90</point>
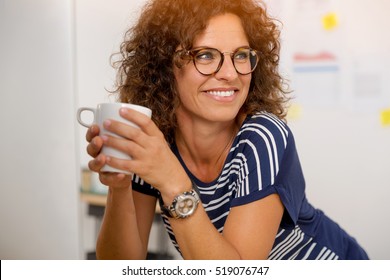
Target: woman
<point>216,154</point>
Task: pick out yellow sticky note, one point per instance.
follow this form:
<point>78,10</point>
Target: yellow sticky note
<point>294,111</point>
<point>385,117</point>
<point>330,21</point>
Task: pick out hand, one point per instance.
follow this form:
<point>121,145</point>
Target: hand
<point>152,158</point>
<point>93,149</point>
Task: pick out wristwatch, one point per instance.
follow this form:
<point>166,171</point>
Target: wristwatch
<point>183,205</point>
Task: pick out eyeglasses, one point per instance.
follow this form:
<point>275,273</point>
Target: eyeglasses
<point>208,61</point>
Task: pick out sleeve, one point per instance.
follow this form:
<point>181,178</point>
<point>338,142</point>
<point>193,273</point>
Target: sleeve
<point>272,165</point>
<point>139,185</point>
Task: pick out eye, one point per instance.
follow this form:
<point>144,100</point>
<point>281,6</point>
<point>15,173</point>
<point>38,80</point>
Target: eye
<point>241,55</point>
<point>206,55</point>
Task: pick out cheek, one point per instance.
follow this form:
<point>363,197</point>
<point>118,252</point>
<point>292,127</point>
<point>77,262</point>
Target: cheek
<point>187,81</point>
<point>246,80</point>
<point>178,81</point>
<point>181,86</point>
<point>246,83</point>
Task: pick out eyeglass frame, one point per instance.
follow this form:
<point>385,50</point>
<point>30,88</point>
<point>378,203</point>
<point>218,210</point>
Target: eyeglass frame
<point>193,52</point>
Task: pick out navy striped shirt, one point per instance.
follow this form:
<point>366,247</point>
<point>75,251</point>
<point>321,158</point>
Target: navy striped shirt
<point>263,160</point>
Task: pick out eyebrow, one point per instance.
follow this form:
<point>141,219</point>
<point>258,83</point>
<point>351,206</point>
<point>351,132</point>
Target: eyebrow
<point>208,47</point>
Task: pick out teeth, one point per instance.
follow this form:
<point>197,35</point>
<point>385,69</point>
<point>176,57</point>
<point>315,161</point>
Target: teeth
<point>222,93</point>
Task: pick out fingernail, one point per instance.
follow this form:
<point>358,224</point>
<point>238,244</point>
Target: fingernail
<point>98,158</point>
<point>107,123</point>
<point>123,111</point>
<point>104,138</point>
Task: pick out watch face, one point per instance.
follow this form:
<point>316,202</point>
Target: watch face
<point>186,205</point>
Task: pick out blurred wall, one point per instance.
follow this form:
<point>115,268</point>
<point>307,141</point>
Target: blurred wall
<point>343,143</point>
<point>39,216</point>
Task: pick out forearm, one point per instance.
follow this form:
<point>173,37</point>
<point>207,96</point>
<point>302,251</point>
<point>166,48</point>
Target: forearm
<point>196,235</point>
<point>119,237</point>
<point>199,239</point>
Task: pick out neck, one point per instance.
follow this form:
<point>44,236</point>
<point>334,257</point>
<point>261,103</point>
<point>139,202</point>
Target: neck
<point>204,146</point>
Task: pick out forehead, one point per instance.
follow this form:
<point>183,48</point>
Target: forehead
<point>222,30</point>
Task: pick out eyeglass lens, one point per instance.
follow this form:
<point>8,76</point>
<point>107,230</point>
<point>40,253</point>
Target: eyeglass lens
<point>209,61</point>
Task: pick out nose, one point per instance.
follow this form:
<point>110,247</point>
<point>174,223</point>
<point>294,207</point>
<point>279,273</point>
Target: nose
<point>227,70</point>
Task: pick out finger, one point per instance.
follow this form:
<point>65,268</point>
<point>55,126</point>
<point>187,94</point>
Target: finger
<point>92,132</point>
<point>97,163</point>
<point>140,119</point>
<point>125,131</point>
<point>95,146</point>
<point>122,164</point>
<point>126,146</point>
<point>115,179</point>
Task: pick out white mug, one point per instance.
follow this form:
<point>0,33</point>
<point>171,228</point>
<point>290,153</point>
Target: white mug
<point>105,111</point>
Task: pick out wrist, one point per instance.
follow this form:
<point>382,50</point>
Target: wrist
<point>183,204</point>
<point>120,198</point>
<point>174,187</point>
<point>114,191</point>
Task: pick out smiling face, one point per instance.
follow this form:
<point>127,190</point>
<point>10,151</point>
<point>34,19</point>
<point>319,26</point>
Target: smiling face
<point>218,97</point>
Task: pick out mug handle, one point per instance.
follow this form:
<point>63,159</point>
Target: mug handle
<point>82,109</point>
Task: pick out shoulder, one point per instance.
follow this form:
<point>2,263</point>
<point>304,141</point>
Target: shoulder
<point>261,145</point>
<point>259,150</point>
<point>265,128</point>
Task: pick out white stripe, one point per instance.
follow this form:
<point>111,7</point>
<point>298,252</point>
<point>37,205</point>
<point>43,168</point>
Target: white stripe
<point>240,168</point>
<point>281,127</point>
<point>207,193</point>
<point>276,121</point>
<point>247,184</point>
<point>269,149</point>
<point>218,200</point>
<point>228,170</point>
<point>210,188</point>
<point>326,254</point>
<point>210,208</point>
<point>280,233</point>
<point>293,243</point>
<point>138,180</point>
<point>256,156</point>
<point>220,217</point>
<point>300,249</point>
<point>280,246</point>
<point>331,256</point>
<point>273,161</point>
<point>309,251</point>
<point>236,163</point>
<point>320,254</point>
